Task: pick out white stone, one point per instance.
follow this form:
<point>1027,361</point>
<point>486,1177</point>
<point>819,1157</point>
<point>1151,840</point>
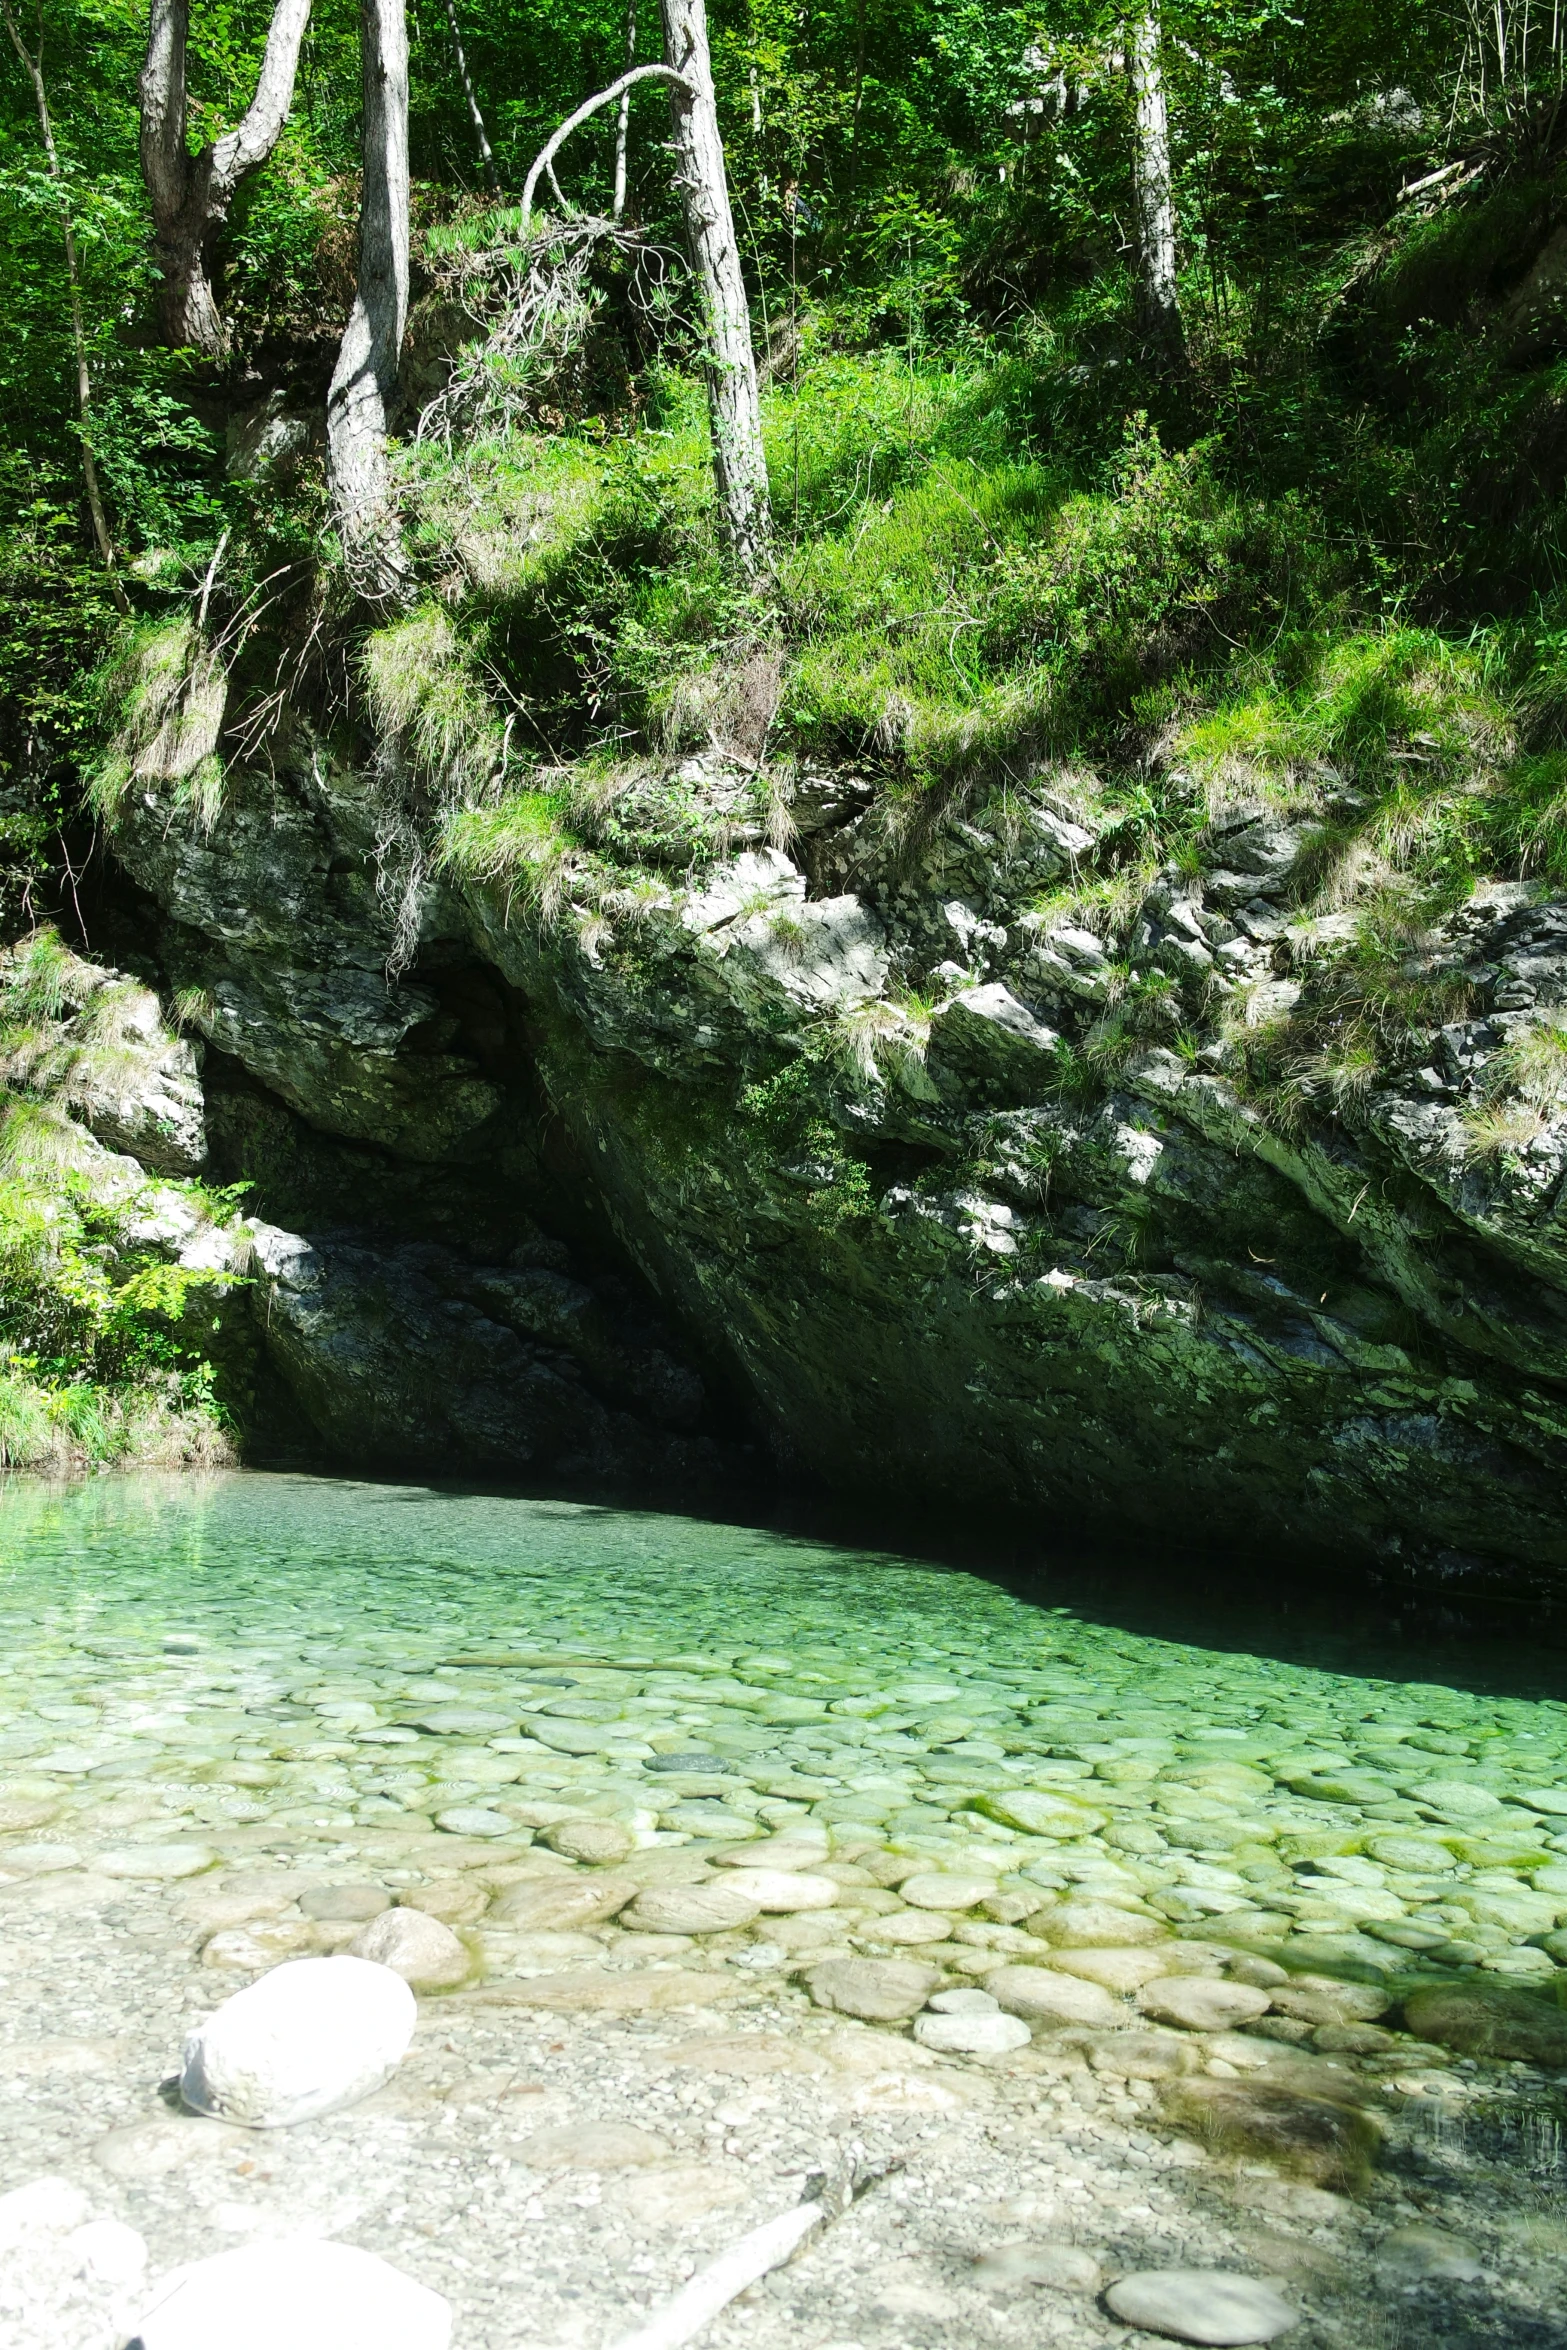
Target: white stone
<point>299,2293</point>
<point>107,2251</point>
<point>972,2035</point>
<point>1206,2305</point>
<point>40,1860</point>
<point>44,2207</point>
<point>965,2002</point>
<point>946,1889</point>
<point>312,2035</point>
<point>163,1862</point>
<point>475,1819</point>
<point>783,1890</point>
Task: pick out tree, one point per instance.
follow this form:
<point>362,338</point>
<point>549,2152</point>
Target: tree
<point>191,194</point>
<point>33,66</point>
<point>1158,298</point>
<point>475,111</point>
<point>739,465</point>
<point>364,380</point>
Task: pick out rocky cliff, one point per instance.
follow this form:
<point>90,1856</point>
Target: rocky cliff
<point>854,1156</point>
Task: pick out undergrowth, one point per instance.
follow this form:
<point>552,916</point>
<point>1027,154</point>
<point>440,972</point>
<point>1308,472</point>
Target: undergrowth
<point>103,1341</point>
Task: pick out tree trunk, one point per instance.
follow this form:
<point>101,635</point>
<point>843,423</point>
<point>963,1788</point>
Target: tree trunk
<point>486,157</point>
<point>623,118</point>
<point>739,467</point>
<point>1158,299</point>
<point>365,377</point>
<point>191,194</point>
<point>33,66</point>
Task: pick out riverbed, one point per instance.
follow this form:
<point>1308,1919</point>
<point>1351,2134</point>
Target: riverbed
<point>240,1716</point>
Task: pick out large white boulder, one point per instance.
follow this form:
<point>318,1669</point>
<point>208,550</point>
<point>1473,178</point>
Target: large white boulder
<point>299,2293</point>
<point>314,2034</point>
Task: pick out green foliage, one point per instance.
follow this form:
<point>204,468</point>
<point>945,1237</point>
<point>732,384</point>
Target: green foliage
<point>102,1348</point>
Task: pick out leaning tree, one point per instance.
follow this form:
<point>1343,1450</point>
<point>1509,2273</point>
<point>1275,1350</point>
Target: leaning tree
<point>734,407</point>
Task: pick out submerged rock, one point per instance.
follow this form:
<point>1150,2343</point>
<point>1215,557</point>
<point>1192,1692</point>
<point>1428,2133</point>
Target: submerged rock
<point>1063,2268</point>
<point>1479,2020</point>
<point>420,1949</point>
<point>881,1990</point>
<point>1322,2139</point>
<point>1206,2305</point>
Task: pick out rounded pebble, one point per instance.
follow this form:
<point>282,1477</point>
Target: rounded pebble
<point>972,2035</point>
<point>419,1948</point>
<point>313,2035</point>
<point>1208,2305</point>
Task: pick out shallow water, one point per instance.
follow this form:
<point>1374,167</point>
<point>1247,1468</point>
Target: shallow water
<point>239,1715</point>
<point>198,1671</point>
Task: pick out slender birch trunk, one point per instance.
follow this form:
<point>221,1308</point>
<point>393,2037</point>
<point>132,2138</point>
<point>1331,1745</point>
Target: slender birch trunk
<point>191,194</point>
<point>623,118</point>
<point>475,112</point>
<point>739,466</point>
<point>1159,300</point>
<point>365,378</point>
<point>33,66</point>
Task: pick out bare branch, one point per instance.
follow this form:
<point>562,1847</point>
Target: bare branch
<point>545,158</point>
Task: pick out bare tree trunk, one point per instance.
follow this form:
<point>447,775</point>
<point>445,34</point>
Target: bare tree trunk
<point>739,466</point>
<point>33,66</point>
<point>486,157</point>
<point>365,377</point>
<point>191,194</point>
<point>1158,299</point>
<point>623,118</point>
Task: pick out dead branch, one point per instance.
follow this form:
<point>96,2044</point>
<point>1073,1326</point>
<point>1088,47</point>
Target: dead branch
<point>544,160</point>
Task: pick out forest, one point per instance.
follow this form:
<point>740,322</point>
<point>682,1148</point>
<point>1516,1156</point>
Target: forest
<point>1160,409</point>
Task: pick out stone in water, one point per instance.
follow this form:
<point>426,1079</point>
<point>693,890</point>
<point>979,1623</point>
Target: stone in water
<point>972,2035</point>
<point>881,1990</point>
<point>1410,2256</point>
<point>313,2035</point>
<point>1062,2267</point>
<point>693,1909</point>
<point>785,1890</point>
<point>1202,2305</point>
<point>1200,2005</point>
<point>419,1948</point>
<point>1042,1996</point>
<point>936,1889</point>
<point>307,2295</point>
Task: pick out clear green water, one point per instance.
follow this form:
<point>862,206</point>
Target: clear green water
<point>277,1664</point>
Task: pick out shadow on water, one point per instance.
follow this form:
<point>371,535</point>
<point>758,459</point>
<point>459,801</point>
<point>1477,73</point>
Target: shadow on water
<point>1325,1618</point>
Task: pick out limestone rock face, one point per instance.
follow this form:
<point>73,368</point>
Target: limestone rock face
<point>789,1157</point>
